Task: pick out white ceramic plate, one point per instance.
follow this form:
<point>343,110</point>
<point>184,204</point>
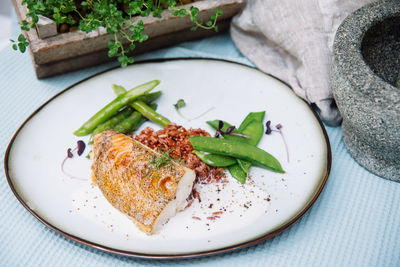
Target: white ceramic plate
<point>264,206</point>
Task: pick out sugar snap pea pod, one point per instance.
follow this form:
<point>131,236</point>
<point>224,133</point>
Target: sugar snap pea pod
<point>236,171</point>
<point>236,149</point>
<point>253,127</point>
<point>146,98</point>
<point>111,108</point>
<point>110,123</point>
<point>214,159</point>
<point>149,113</point>
<point>132,122</point>
<point>257,116</point>
<point>245,166</point>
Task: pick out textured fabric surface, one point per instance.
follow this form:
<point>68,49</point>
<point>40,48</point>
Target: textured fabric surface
<point>293,40</point>
<point>355,221</point>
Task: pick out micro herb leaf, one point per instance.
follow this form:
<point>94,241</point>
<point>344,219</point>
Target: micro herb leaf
<point>180,104</point>
<point>113,15</point>
<point>159,161</point>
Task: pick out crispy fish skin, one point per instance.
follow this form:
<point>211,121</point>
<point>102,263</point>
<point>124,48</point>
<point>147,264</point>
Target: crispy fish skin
<point>123,171</point>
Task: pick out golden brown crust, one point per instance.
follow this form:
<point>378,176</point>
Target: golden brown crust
<point>123,171</point>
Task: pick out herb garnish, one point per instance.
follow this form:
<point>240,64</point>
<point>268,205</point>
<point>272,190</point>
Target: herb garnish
<point>181,103</point>
<point>229,131</point>
<point>80,147</point>
<point>277,129</point>
<point>114,15</point>
<point>161,160</point>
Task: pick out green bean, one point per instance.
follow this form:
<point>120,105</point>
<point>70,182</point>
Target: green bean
<point>132,122</point>
<point>110,123</point>
<point>149,113</point>
<point>146,98</point>
<point>144,109</point>
<point>110,109</point>
<point>118,89</point>
<point>214,159</point>
<point>236,149</point>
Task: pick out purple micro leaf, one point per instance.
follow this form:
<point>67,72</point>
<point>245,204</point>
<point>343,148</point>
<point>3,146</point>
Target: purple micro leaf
<point>69,153</point>
<point>220,125</point>
<point>278,126</point>
<point>81,147</point>
<point>230,129</point>
<point>268,125</point>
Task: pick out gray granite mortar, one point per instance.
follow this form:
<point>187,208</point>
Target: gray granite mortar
<point>364,71</point>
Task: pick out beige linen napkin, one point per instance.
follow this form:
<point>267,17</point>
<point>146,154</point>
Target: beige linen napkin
<point>292,40</point>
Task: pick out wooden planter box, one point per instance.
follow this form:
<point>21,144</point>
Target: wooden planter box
<point>70,51</point>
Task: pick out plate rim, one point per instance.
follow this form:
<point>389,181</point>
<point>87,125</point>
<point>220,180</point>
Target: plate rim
<point>125,253</point>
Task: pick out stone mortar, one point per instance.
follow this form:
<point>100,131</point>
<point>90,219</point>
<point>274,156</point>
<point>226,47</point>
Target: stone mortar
<point>364,71</point>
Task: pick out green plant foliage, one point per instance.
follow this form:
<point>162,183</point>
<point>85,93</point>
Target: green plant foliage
<point>114,15</point>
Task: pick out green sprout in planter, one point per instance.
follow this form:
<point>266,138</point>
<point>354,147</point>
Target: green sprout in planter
<point>114,15</point>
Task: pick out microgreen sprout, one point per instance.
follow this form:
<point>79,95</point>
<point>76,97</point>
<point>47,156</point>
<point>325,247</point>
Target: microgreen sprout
<point>229,131</point>
<point>278,129</point>
<point>80,147</point>
<point>181,103</point>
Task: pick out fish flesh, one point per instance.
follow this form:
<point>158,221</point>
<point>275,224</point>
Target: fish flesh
<point>125,172</point>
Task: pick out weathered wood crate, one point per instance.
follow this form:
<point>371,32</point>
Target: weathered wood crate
<point>55,53</point>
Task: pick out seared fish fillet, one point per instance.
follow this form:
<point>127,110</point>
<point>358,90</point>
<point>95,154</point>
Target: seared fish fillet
<point>123,170</point>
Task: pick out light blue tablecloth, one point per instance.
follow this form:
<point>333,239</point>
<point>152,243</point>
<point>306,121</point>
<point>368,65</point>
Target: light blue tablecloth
<point>355,221</point>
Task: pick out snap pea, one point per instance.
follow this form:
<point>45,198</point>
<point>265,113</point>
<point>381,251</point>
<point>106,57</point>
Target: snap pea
<point>132,122</point>
<point>110,123</point>
<point>251,126</point>
<point>236,171</point>
<point>149,113</point>
<point>257,116</point>
<point>110,109</point>
<point>240,170</point>
<point>214,159</point>
<point>236,149</point>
